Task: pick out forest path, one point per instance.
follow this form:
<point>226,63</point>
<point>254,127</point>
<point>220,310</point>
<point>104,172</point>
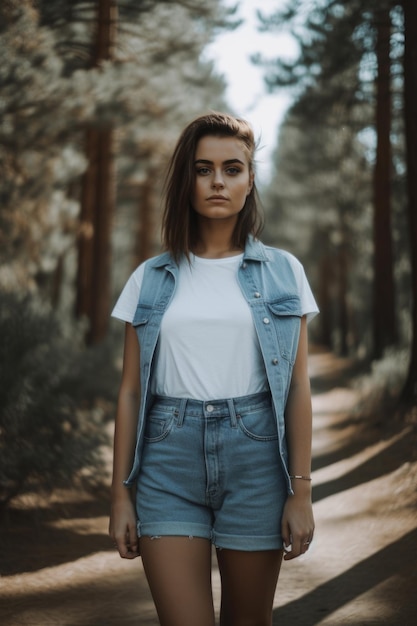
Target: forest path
<point>362,566</point>
<point>58,567</point>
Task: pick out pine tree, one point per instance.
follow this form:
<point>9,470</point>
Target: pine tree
<point>123,33</point>
<point>410,108</point>
<point>56,88</point>
<point>384,315</point>
<point>339,44</point>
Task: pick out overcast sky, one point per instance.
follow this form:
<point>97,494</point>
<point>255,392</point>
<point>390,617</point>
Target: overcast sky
<point>246,91</point>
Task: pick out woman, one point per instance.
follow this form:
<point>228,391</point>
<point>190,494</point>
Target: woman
<point>213,427</point>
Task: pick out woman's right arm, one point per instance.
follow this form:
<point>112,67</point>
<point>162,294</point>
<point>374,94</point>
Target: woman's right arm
<point>122,528</point>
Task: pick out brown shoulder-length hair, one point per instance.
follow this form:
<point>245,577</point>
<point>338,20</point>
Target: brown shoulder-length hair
<point>179,224</point>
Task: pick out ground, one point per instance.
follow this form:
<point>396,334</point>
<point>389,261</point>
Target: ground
<point>58,566</point>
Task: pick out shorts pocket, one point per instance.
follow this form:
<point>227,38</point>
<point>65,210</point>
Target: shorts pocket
<point>259,425</point>
<point>158,426</point>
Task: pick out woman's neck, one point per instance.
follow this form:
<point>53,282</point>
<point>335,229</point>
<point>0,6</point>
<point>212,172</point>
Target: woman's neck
<point>216,240</point>
<point>216,253</point>
<point>216,248</point>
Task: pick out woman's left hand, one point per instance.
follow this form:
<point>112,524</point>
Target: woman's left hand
<point>297,525</point>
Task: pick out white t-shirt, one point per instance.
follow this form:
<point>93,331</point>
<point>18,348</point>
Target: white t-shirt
<point>208,348</point>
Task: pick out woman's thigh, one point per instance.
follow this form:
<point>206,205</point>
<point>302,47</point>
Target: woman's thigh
<point>178,570</point>
<point>249,580</point>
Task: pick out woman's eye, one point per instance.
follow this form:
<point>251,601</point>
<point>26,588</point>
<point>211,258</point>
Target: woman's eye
<point>233,170</point>
<point>203,171</point>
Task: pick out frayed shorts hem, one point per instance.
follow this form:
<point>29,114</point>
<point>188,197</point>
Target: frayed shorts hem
<point>248,543</point>
<point>173,529</point>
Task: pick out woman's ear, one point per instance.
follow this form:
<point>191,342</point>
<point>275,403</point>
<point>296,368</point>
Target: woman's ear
<point>251,181</point>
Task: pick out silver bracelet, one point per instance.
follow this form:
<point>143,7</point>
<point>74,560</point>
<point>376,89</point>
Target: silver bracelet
<point>301,477</point>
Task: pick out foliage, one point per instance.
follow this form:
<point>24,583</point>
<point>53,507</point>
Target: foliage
<point>380,389</point>
<point>52,90</point>
<point>321,198</point>
<point>386,378</point>
<point>319,207</point>
<point>51,423</point>
<point>336,40</point>
<point>37,216</point>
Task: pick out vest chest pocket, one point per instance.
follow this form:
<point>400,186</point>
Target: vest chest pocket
<point>285,315</point>
<point>141,322</point>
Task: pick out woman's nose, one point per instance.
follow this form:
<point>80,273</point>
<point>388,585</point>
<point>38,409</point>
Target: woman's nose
<point>217,182</point>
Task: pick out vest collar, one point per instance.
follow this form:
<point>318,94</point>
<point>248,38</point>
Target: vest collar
<point>255,250</point>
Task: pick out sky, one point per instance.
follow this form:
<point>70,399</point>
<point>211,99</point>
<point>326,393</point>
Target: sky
<point>246,91</point>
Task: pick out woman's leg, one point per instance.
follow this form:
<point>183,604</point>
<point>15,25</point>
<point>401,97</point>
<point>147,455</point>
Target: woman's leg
<point>248,580</point>
<point>178,570</point>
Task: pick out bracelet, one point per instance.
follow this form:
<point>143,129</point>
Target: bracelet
<point>301,477</point>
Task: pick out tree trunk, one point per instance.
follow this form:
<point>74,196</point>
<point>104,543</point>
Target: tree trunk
<point>410,113</point>
<point>343,315</point>
<point>145,231</point>
<point>384,323</point>
<point>97,201</point>
<point>324,292</point>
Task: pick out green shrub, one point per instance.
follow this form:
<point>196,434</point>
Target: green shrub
<point>51,432</point>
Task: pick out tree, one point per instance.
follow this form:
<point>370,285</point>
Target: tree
<point>410,108</point>
<point>53,90</point>
<point>145,41</point>
<point>39,158</point>
<point>339,45</point>
<point>384,318</point>
<point>97,198</point>
<point>319,208</point>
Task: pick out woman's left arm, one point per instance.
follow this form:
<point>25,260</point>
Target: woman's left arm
<point>298,521</point>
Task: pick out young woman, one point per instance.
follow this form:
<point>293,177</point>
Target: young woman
<point>213,427</point>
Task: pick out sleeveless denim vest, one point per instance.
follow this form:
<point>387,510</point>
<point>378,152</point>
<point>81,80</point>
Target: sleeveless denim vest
<point>269,286</point>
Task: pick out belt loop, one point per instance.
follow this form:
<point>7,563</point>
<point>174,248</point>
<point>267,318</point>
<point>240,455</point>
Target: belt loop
<point>232,412</point>
<point>181,411</point>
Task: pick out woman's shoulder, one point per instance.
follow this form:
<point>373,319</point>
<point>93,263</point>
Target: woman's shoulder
<point>152,262</point>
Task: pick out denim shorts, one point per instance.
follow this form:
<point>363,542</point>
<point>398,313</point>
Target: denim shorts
<point>213,470</point>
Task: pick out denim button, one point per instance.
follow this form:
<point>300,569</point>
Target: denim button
<point>244,266</point>
<point>257,294</point>
<point>266,320</point>
<point>209,408</point>
<point>275,361</point>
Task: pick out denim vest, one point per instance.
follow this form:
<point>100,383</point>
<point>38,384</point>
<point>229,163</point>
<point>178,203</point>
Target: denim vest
<point>267,281</point>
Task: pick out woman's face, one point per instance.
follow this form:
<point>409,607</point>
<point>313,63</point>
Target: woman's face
<point>223,178</point>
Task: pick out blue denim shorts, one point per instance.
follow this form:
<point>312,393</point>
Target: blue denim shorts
<point>212,469</point>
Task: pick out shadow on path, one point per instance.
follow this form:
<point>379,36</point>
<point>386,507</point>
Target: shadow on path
<point>328,371</point>
<point>117,600</point>
<point>363,437</point>
<point>384,462</point>
<point>30,541</point>
<point>399,558</point>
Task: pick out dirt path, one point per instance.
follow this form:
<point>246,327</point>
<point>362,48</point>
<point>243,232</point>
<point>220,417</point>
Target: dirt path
<point>58,567</point>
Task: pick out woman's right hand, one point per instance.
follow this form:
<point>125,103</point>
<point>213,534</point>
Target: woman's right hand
<point>122,528</point>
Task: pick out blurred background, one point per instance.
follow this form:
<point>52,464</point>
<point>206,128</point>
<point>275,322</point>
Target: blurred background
<point>93,95</point>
